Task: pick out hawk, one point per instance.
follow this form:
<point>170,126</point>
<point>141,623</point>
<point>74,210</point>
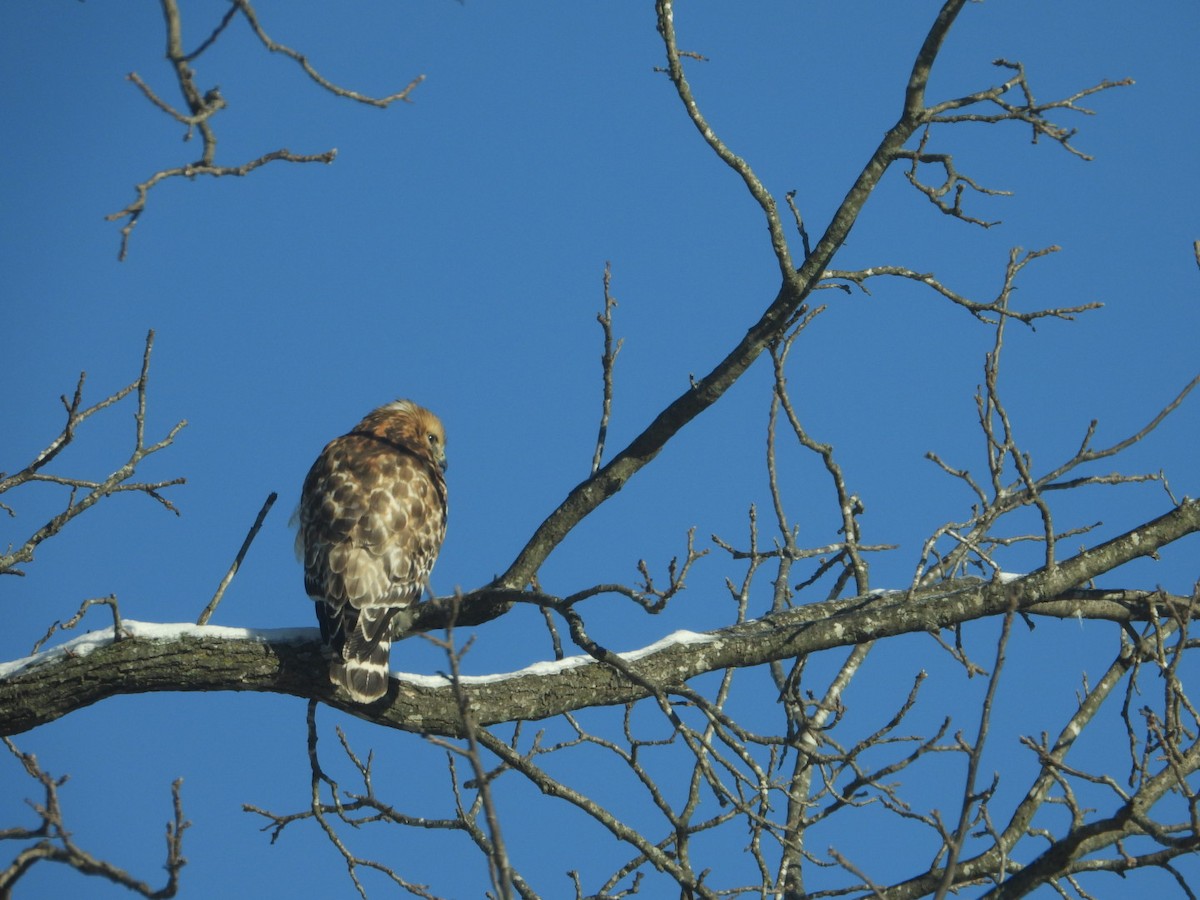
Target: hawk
<point>371,520</point>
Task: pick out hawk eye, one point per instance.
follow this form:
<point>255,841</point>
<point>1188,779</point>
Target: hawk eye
<point>433,438</point>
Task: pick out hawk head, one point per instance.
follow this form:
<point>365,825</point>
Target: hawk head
<point>412,427</point>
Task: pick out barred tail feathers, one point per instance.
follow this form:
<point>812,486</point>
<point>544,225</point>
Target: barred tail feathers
<point>360,665</point>
<point>364,678</point>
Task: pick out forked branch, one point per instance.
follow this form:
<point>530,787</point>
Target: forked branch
<point>777,318</point>
<point>51,840</point>
<point>203,106</point>
<point>84,493</point>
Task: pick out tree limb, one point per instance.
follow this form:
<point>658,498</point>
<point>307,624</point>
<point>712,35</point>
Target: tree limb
<point>59,681</point>
<point>796,286</point>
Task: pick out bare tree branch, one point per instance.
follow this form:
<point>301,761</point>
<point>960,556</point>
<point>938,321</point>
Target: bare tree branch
<point>44,688</point>
<point>492,842</point>
<point>787,304</point>
<point>666,29</point>
<point>772,779</point>
<point>985,312</point>
<point>52,842</point>
<point>117,482</point>
<point>202,106</point>
<point>608,363</point>
<point>237,561</point>
<point>247,10</point>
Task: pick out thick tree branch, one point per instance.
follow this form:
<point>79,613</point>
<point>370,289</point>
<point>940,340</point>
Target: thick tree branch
<point>88,670</point>
<point>796,286</point>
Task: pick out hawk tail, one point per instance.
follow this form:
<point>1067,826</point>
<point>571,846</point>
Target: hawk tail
<point>360,663</point>
<point>365,677</point>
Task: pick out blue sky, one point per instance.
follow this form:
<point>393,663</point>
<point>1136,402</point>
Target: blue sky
<point>453,254</point>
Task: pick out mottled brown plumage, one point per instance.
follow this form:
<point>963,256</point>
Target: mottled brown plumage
<point>371,521</point>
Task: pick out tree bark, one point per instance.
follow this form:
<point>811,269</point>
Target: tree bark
<point>64,679</point>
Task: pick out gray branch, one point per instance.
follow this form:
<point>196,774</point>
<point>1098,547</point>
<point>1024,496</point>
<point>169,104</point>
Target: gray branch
<point>207,660</point>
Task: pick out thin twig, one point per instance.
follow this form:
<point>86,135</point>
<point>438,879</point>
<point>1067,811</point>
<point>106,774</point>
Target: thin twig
<point>607,362</point>
<point>987,312</point>
<point>110,601</point>
<point>133,212</point>
<point>300,59</point>
<point>969,796</point>
<point>93,492</point>
<point>55,843</point>
<point>499,864</point>
<point>237,562</point>
<point>666,29</point>
<point>202,106</point>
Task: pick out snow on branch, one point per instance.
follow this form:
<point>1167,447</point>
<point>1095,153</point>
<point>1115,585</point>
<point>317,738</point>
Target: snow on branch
<point>144,658</point>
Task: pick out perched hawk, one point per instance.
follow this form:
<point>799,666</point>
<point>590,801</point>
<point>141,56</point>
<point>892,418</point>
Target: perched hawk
<point>371,521</point>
